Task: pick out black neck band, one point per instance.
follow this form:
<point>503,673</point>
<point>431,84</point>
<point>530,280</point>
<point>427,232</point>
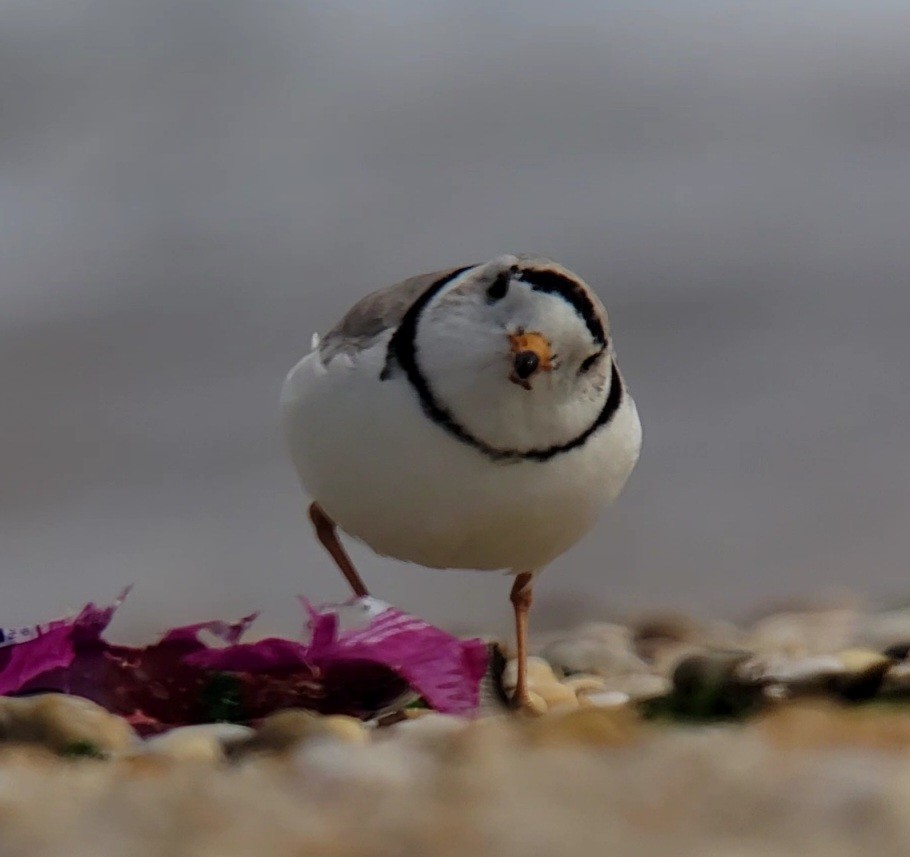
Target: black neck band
<point>572,292</point>
<point>403,349</point>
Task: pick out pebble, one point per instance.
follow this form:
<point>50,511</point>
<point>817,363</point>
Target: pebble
<point>715,684</point>
<point>886,628</point>
<point>896,681</point>
<point>206,742</point>
<point>853,674</point>
<point>667,658</point>
<point>640,687</point>
<point>558,697</point>
<point>804,675</point>
<point>590,727</point>
<point>539,672</point>
<point>707,670</point>
<point>383,765</point>
<point>547,693</point>
<point>65,724</point>
<point>584,683</point>
<point>651,634</point>
<point>898,651</point>
<point>535,704</point>
<point>429,729</point>
<point>601,648</point>
<point>588,684</point>
<point>806,633</point>
<point>863,674</point>
<point>284,730</point>
<point>606,699</point>
<point>348,730</point>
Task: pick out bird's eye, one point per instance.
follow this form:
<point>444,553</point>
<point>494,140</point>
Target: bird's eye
<point>526,363</point>
<point>500,286</point>
<point>589,361</point>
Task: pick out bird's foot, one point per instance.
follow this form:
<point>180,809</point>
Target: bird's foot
<point>527,703</point>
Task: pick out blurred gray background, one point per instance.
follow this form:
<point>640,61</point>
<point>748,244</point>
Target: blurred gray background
<point>190,188</point>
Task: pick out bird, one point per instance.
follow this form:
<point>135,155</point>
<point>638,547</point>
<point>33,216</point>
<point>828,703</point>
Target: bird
<point>472,418</point>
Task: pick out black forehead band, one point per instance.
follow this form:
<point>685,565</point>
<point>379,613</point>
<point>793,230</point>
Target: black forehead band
<point>572,292</point>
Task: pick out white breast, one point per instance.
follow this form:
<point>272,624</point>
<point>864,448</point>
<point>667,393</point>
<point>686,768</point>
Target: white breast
<point>394,479</point>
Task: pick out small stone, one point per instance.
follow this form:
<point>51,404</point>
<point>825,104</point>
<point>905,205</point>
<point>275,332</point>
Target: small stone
<point>284,730</point>
<point>430,729</point>
<point>66,724</point>
<point>861,660</point>
<point>606,699</point>
<point>864,672</point>
<point>590,727</point>
<point>804,675</point>
<point>653,633</point>
<point>558,697</point>
<point>714,684</point>
<point>344,728</point>
<point>667,658</point>
<point>207,742</point>
<point>601,648</point>
<point>383,766</point>
<point>639,687</point>
<point>853,674</point>
<point>886,628</point>
<point>709,669</point>
<point>584,683</point>
<point>544,688</point>
<point>897,651</point>
<point>896,681</point>
<point>539,671</point>
<point>534,706</point>
<point>804,633</point>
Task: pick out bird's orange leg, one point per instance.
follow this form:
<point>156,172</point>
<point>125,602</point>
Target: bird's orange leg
<point>521,597</point>
<point>328,536</point>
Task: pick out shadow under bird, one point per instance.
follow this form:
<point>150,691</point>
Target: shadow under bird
<point>473,418</point>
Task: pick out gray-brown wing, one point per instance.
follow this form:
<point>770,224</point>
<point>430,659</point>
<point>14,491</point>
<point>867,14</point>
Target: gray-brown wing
<point>375,314</point>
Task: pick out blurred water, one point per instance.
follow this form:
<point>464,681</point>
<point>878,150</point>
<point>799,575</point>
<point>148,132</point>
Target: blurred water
<point>189,189</point>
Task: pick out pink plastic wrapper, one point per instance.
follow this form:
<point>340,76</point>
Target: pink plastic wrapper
<point>361,658</point>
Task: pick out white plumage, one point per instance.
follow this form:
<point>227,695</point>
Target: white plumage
<point>415,426</point>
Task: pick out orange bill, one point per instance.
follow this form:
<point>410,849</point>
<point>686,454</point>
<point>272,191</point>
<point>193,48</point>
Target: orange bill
<point>536,343</point>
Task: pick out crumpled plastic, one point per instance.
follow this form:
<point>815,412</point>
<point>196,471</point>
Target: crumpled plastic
<point>362,658</point>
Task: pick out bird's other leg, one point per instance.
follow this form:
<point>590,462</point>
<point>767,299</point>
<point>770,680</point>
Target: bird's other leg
<point>521,597</point>
<point>328,536</point>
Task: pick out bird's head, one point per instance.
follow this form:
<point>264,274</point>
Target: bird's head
<point>516,352</point>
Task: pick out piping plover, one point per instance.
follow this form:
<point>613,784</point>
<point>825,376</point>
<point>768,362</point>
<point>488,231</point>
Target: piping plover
<point>472,418</point>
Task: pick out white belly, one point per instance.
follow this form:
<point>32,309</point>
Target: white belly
<point>392,478</point>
